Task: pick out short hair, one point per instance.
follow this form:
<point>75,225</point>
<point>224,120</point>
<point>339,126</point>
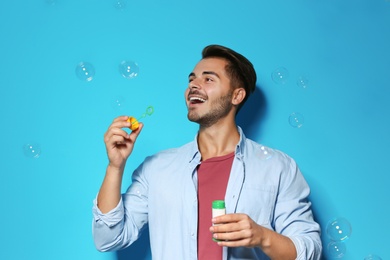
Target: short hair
<point>240,69</point>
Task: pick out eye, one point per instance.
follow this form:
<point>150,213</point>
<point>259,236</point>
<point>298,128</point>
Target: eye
<point>190,79</point>
<point>208,79</point>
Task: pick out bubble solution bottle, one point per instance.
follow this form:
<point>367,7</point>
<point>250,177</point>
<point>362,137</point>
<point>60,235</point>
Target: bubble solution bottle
<point>218,209</point>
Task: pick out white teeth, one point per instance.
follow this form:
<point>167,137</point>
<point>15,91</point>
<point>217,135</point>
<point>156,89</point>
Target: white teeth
<point>197,98</point>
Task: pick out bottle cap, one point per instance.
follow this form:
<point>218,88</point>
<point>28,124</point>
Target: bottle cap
<point>218,204</point>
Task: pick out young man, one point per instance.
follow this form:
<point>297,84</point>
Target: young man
<point>268,214</point>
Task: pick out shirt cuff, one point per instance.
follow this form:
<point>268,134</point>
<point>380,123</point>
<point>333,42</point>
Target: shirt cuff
<point>307,248</point>
<point>299,248</point>
<point>111,218</point>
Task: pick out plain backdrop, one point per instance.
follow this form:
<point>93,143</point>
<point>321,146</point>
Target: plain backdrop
<point>339,48</point>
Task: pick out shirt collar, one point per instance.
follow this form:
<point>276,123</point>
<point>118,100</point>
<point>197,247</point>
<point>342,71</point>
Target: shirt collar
<point>241,144</point>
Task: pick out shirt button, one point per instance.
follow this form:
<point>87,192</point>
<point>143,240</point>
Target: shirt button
<point>192,234</point>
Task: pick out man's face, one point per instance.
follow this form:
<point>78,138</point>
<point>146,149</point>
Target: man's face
<point>209,94</point>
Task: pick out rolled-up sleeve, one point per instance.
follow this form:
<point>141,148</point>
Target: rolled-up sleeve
<point>111,218</point>
<point>123,225</point>
<point>293,215</point>
<point>106,227</point>
<point>307,247</point>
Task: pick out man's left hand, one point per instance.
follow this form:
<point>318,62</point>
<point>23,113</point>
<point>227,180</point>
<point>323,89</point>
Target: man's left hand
<point>235,230</point>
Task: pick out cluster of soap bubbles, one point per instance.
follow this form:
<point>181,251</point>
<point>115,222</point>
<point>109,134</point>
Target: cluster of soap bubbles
<point>85,71</point>
<point>338,231</point>
<point>280,76</point>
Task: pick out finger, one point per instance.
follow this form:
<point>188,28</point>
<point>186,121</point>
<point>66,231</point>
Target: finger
<point>134,134</point>
<point>227,218</point>
<point>120,124</point>
<point>116,136</point>
<point>231,236</point>
<point>223,228</point>
<point>120,118</point>
<point>118,140</point>
<point>115,132</point>
<point>233,243</point>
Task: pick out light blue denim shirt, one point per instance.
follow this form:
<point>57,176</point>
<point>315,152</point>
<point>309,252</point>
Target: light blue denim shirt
<point>163,194</point>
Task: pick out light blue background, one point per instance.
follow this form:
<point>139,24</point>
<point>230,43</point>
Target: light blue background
<point>340,46</point>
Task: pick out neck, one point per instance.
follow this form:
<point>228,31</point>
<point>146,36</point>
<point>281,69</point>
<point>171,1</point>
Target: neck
<point>218,140</point>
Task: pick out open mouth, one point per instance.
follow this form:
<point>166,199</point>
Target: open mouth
<point>197,100</point>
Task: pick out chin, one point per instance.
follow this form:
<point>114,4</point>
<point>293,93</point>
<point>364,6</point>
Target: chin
<point>193,118</point>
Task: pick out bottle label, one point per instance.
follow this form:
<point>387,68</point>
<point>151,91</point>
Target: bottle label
<point>218,212</point>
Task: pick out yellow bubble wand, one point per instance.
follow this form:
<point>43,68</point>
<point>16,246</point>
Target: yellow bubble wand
<point>134,124</point>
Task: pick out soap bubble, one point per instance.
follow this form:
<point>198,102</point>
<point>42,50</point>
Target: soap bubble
<point>336,249</point>
<point>118,102</point>
<point>296,119</point>
<point>372,257</point>
<point>85,71</point>
<point>32,150</point>
<point>339,229</point>
<point>280,75</point>
<point>302,82</point>
<point>128,69</point>
<point>120,4</point>
<point>265,153</point>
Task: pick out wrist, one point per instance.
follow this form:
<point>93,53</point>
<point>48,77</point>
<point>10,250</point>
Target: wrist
<point>113,169</point>
<point>265,238</point>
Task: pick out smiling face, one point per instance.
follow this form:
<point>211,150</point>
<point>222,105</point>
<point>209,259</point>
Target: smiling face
<point>209,94</point>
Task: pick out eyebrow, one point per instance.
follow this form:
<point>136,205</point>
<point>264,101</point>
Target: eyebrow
<point>205,73</point>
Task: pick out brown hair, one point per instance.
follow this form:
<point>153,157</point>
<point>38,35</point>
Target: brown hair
<point>240,69</point>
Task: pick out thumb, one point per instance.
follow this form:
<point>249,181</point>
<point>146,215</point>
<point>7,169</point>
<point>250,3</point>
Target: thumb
<point>134,134</point>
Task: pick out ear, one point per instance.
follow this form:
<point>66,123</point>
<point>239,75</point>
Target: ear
<point>238,96</point>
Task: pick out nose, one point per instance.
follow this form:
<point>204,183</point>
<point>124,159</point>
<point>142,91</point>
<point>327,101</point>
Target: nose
<point>194,84</point>
<point>192,88</point>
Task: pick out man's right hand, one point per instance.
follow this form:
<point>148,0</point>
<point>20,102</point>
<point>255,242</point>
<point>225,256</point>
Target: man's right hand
<point>120,144</point>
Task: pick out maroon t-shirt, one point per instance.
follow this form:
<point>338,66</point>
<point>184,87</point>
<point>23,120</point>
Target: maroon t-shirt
<point>213,176</point>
